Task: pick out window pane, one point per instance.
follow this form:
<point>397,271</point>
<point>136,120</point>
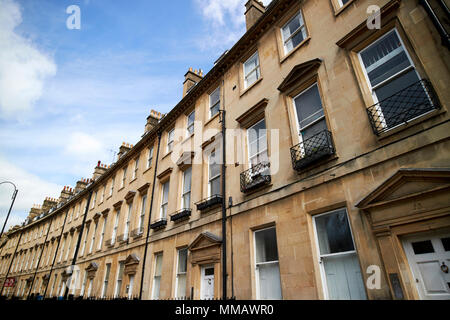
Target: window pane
<point>181,286</point>
<point>384,59</point>
<point>158,265</point>
<point>308,106</point>
<point>291,27</point>
<point>422,247</point>
<point>314,129</point>
<point>215,186</point>
<point>266,245</point>
<point>269,281</point>
<point>251,64</point>
<point>187,180</point>
<point>446,243</point>
<point>182,260</point>
<point>166,192</point>
<point>214,97</point>
<point>215,110</point>
<point>334,233</point>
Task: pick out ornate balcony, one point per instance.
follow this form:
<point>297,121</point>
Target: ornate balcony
<point>255,177</point>
<point>161,223</point>
<point>181,214</point>
<point>403,106</point>
<point>209,203</point>
<point>312,149</point>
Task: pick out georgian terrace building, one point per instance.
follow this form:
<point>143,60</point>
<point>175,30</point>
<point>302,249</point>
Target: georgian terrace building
<point>335,184</point>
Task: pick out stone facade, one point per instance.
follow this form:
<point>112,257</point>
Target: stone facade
<point>391,181</point>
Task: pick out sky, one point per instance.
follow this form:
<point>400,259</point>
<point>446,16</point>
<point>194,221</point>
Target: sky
<point>70,97</point>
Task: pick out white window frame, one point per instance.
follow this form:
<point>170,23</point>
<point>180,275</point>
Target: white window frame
<point>297,124</point>
<point>111,190</point>
<point>85,241</point>
<point>162,200</point>
<point>259,152</point>
<point>124,177</point>
<point>217,103</point>
<point>127,221</point>
<point>209,175</point>
<point>301,28</point>
<point>115,227</point>
<point>154,275</point>
<point>258,293</point>
<point>142,215</point>
<point>119,279</point>
<point>102,197</point>
<point>170,140</point>
<point>106,279</point>
<point>190,125</point>
<point>69,240</point>
<point>136,168</point>
<point>94,200</point>
<point>391,78</point>
<point>177,274</point>
<point>183,194</point>
<point>320,256</point>
<point>150,157</point>
<point>102,235</point>
<point>256,69</point>
<point>91,246</point>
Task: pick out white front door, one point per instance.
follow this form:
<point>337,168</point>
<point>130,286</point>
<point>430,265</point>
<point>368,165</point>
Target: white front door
<point>429,259</point>
<point>207,285</point>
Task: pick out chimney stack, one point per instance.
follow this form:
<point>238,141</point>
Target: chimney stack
<point>191,78</point>
<point>35,211</point>
<point>124,148</point>
<point>48,203</point>
<point>254,9</point>
<point>152,120</point>
<point>66,192</point>
<point>99,170</point>
<point>81,185</point>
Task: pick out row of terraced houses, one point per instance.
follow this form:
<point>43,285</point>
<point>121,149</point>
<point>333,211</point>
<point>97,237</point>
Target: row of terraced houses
<point>311,162</point>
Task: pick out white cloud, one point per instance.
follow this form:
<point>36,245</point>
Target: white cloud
<point>226,22</point>
<point>23,67</point>
<point>32,190</point>
<point>82,144</point>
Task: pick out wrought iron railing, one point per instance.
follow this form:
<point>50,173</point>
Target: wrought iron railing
<point>403,106</point>
<point>312,149</point>
<point>161,223</point>
<point>255,177</point>
<point>181,214</point>
<point>209,202</point>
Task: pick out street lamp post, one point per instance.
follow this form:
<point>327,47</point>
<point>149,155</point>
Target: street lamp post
<point>12,203</point>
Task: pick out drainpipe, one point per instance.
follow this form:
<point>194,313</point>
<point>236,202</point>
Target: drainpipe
<point>56,254</point>
<point>40,256</point>
<point>224,210</point>
<point>12,260</point>
<point>440,28</point>
<point>74,260</point>
<point>149,217</point>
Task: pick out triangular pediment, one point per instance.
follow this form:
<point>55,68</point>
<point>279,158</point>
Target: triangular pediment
<point>132,259</point>
<point>302,70</point>
<point>92,267</point>
<point>205,240</point>
<point>407,183</point>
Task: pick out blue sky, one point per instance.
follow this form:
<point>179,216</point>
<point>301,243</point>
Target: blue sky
<point>69,97</point>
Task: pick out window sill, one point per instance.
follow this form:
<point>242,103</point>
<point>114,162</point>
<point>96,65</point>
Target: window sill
<point>133,180</point>
<point>211,119</point>
<point>167,154</point>
<point>301,44</point>
<point>148,169</point>
<point>187,138</point>
<point>412,123</point>
<point>251,86</point>
<point>121,188</point>
<point>345,6</point>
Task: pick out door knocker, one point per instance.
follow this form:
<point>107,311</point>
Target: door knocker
<point>444,267</point>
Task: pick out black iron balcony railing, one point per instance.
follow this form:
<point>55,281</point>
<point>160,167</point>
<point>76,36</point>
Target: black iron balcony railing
<point>403,106</point>
<point>181,214</point>
<point>312,149</point>
<point>161,223</point>
<point>255,177</point>
<point>210,202</point>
